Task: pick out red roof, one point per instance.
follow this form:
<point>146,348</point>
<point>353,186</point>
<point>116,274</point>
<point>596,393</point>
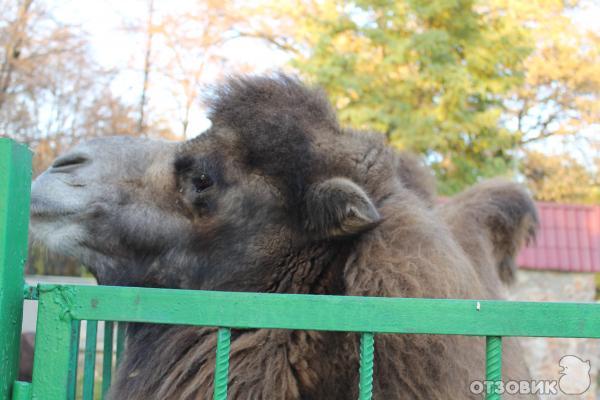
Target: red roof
<point>568,239</point>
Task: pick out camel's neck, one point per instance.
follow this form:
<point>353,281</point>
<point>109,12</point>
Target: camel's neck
<point>316,269</point>
<point>411,254</point>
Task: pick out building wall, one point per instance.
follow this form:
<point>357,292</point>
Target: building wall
<point>543,354</point>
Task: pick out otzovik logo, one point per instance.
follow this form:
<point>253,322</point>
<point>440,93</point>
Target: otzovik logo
<point>574,375</point>
<point>574,380</point>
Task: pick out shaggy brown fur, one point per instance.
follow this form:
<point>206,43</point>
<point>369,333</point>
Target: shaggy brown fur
<point>276,197</point>
<point>289,134</point>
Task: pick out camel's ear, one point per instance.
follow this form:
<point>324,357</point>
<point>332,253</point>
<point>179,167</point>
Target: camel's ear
<point>339,207</point>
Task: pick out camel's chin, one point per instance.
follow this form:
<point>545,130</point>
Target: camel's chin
<point>65,239</point>
<point>58,237</point>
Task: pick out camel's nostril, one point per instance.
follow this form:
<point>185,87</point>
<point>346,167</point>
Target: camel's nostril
<point>68,162</point>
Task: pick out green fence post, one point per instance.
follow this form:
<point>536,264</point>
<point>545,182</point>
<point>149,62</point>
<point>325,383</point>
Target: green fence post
<point>107,357</point>
<point>120,341</point>
<point>367,352</point>
<point>89,370</point>
<point>21,391</point>
<point>493,367</point>
<point>53,345</point>
<point>15,184</point>
<point>222,364</point>
<point>73,359</point>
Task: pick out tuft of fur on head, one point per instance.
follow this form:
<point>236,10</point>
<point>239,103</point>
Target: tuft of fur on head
<point>261,102</point>
<point>274,119</point>
<point>504,212</point>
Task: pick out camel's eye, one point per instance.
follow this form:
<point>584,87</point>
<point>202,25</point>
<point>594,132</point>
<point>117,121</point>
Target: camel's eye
<point>202,182</point>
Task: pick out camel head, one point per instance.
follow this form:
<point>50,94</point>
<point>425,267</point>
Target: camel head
<point>105,202</point>
<point>266,198</point>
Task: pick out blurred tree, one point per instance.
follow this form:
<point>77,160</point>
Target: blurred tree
<point>431,75</point>
<point>194,40</point>
<point>184,51</point>
<point>464,82</point>
<point>560,178</point>
<point>147,65</point>
<point>561,91</point>
<point>13,36</point>
<point>54,94</point>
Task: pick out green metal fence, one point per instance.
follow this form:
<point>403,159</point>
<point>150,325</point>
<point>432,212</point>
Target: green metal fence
<point>63,307</point>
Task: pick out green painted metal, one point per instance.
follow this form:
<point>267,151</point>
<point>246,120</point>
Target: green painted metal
<point>222,364</point>
<point>73,359</point>
<point>89,362</point>
<point>52,345</point>
<point>336,313</point>
<point>120,340</point>
<point>21,391</point>
<point>15,181</point>
<point>107,357</point>
<point>493,367</point>
<point>367,351</point>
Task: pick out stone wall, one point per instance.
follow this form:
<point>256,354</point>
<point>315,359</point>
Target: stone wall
<point>544,354</point>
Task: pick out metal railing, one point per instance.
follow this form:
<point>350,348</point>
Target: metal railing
<point>62,307</point>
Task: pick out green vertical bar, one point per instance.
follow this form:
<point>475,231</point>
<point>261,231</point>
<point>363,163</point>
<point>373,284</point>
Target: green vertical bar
<point>52,350</point>
<point>365,387</point>
<point>73,359</point>
<point>107,357</point>
<point>222,363</point>
<point>120,341</point>
<point>493,366</point>
<point>89,360</point>
<point>21,391</point>
<point>15,184</point>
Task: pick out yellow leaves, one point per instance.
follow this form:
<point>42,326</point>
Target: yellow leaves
<point>560,178</point>
<point>463,80</point>
<point>342,102</point>
<point>353,94</point>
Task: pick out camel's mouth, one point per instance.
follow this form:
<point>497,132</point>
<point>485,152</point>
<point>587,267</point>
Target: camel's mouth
<point>44,209</point>
<point>53,224</point>
<point>53,200</point>
<point>49,214</point>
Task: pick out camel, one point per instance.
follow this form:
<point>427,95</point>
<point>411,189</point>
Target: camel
<point>277,197</point>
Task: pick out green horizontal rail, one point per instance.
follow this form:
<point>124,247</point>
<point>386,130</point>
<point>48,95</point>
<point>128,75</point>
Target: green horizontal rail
<point>333,313</point>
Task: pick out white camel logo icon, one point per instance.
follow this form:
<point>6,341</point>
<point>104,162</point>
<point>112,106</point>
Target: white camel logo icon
<point>574,375</point>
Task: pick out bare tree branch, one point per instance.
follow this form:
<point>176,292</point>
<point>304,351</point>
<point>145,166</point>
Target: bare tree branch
<point>149,36</point>
<point>12,49</point>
